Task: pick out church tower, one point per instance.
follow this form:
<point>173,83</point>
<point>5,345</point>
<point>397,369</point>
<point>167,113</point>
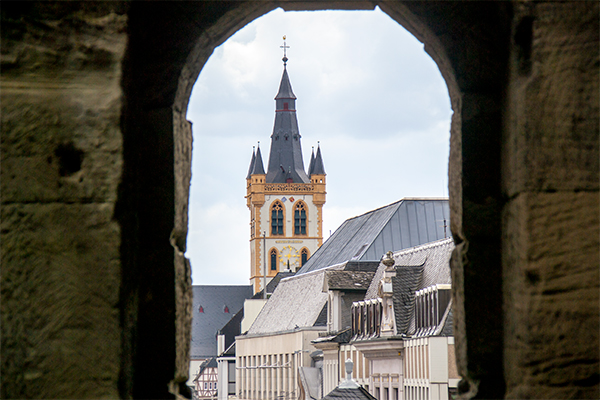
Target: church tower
<point>285,202</point>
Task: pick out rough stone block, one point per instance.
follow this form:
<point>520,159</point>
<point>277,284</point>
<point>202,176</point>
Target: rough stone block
<point>551,297</point>
<point>553,140</point>
<point>60,291</point>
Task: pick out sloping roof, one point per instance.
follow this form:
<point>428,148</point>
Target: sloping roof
<point>359,393</point>
<point>273,283</point>
<point>400,225</point>
<point>405,284</point>
<point>297,302</point>
<point>416,268</point>
<point>348,280</point>
<point>232,328</point>
<point>213,299</point>
<point>209,363</point>
<point>338,337</point>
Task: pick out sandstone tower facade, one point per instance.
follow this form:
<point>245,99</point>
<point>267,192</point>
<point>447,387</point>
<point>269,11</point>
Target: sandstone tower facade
<point>285,202</point>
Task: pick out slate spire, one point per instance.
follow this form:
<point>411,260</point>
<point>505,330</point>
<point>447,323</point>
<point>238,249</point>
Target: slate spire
<point>258,163</point>
<point>318,168</point>
<point>311,164</point>
<point>252,161</point>
<point>285,158</point>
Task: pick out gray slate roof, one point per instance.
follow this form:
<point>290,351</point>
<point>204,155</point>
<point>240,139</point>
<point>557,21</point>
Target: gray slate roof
<point>213,299</point>
<point>285,87</point>
<point>252,161</point>
<point>400,225</point>
<point>348,280</point>
<point>312,161</point>
<point>349,394</point>
<point>257,166</point>
<point>297,302</point>
<point>317,166</point>
<point>416,268</point>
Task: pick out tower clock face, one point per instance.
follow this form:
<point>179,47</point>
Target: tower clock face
<point>289,253</point>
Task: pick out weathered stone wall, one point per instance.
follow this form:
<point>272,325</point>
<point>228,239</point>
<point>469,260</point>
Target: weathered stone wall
<point>96,167</point>
<point>61,165</point>
<point>551,222</point>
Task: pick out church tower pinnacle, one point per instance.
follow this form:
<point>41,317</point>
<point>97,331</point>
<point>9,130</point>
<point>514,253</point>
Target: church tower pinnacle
<point>286,203</point>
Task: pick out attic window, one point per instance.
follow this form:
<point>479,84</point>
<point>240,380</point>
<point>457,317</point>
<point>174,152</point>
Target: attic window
<point>226,309</point>
<point>201,309</point>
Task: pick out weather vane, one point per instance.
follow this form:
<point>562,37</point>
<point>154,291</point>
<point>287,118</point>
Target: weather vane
<point>284,47</point>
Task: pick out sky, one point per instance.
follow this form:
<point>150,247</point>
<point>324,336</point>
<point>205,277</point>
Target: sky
<point>366,91</point>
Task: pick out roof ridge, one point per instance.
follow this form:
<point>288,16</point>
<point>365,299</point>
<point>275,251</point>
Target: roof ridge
<point>327,268</point>
<point>399,201</point>
<point>376,209</point>
<point>425,246</point>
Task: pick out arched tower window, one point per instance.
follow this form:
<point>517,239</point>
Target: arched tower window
<point>300,219</point>
<point>273,262</point>
<point>277,218</point>
<point>304,256</point>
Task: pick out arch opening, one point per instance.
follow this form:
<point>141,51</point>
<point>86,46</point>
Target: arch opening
<point>157,146</point>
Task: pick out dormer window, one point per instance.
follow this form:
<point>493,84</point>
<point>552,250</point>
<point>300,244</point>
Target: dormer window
<point>430,305</point>
<point>366,318</point>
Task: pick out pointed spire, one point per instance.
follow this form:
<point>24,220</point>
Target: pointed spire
<point>285,157</point>
<point>318,167</point>
<point>285,88</point>
<point>311,164</point>
<point>251,163</point>
<point>258,163</point>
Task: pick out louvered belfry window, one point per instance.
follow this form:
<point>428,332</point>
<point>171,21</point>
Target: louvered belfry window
<point>277,219</point>
<point>300,219</point>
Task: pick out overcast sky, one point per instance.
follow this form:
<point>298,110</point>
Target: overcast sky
<point>366,91</point>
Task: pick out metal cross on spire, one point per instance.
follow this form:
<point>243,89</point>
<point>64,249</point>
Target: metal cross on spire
<point>284,47</point>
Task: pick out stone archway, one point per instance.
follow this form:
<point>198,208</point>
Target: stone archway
<point>95,167</point>
<point>168,47</point>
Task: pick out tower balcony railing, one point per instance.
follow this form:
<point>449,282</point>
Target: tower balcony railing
<point>289,187</point>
